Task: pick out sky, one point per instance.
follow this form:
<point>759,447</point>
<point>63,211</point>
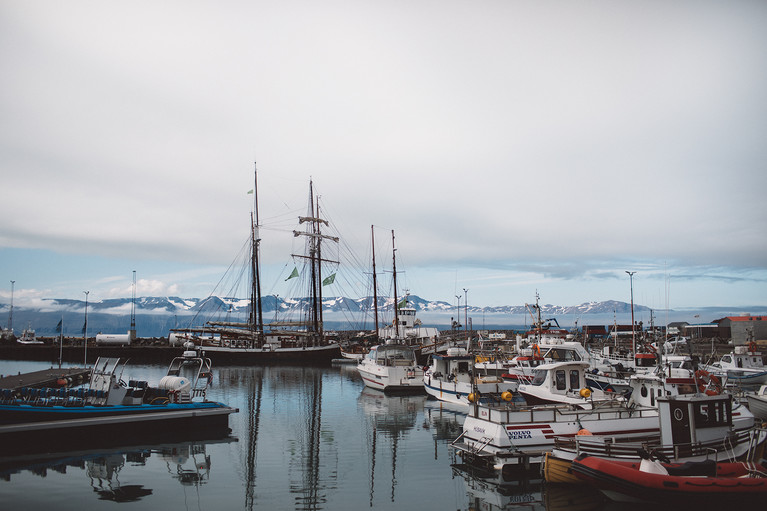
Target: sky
<point>515,147</point>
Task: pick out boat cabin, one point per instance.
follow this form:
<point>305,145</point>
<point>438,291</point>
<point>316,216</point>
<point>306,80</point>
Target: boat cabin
<point>688,420</point>
<point>741,358</point>
<point>648,388</point>
<point>562,382</point>
<point>455,366</point>
<point>391,355</point>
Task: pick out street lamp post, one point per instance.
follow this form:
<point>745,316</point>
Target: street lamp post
<point>85,331</point>
<point>633,331</point>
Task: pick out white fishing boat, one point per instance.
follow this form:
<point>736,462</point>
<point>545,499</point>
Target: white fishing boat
<point>757,403</point>
<point>744,365</point>
<point>408,329</point>
<point>520,369</point>
<point>28,336</point>
<point>564,383</point>
<point>354,352</point>
<point>500,434</point>
<point>693,426</point>
<point>452,378</point>
<point>391,367</point>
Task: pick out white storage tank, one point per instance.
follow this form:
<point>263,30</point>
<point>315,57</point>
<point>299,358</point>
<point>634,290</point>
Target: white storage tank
<point>114,339</point>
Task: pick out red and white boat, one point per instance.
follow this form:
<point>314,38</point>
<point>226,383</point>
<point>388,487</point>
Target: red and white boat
<point>705,484</point>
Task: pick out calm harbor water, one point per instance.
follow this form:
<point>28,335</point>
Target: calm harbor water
<point>305,438</point>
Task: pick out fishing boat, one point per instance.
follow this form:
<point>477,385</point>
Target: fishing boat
<point>693,427</point>
<point>28,336</point>
<point>757,403</point>
<point>394,364</point>
<point>563,383</point>
<point>391,367</point>
<point>744,365</point>
<point>354,352</point>
<point>520,368</point>
<point>452,378</point>
<point>501,434</point>
<point>33,419</point>
<point>693,485</point>
<point>301,339</point>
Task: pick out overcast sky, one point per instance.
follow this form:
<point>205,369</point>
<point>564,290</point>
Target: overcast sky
<point>514,147</point>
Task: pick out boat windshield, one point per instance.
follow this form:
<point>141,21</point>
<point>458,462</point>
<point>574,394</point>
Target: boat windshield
<point>396,354</point>
<point>539,376</point>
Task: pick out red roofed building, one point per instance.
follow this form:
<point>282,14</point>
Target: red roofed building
<point>745,328</point>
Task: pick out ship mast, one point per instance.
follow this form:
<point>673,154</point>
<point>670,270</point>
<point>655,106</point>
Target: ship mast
<point>314,232</point>
<point>394,274</point>
<point>375,285</point>
<point>256,309</point>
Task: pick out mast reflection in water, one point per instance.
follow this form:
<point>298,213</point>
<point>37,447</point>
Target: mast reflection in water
<point>305,438</point>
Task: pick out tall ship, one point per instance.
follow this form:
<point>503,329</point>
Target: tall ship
<point>299,340</point>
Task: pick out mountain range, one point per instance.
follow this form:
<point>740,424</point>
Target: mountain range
<point>156,315</point>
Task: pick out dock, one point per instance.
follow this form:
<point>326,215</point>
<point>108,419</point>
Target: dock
<point>45,378</point>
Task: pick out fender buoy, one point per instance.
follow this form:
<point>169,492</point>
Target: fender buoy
<point>708,383</point>
<point>752,347</point>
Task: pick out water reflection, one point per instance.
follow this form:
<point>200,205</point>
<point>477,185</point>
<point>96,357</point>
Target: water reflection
<point>391,417</point>
<point>492,491</point>
<point>186,462</point>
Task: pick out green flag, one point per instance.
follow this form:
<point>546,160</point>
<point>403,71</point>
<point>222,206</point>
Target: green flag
<point>403,303</point>
<point>293,275</point>
<point>329,280</point>
<point>250,192</point>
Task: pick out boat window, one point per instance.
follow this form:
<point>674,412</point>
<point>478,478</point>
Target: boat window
<point>559,378</point>
<point>575,379</point>
<point>684,389</point>
<point>643,391</point>
<point>463,367</point>
<point>726,359</point>
<point>539,377</point>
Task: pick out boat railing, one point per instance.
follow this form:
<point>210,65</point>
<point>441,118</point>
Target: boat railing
<point>505,412</point>
<point>629,446</point>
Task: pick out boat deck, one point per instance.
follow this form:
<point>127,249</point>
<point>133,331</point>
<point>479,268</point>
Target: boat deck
<point>44,378</point>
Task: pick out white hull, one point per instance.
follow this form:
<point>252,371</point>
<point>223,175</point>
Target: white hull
<point>391,378</point>
<point>506,435</point>
<point>758,406</point>
<point>391,367</point>
<point>747,377</point>
<point>458,392</point>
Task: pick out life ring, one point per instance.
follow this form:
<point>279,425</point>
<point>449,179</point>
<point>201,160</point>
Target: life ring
<point>752,347</point>
<point>708,383</point>
<point>537,350</point>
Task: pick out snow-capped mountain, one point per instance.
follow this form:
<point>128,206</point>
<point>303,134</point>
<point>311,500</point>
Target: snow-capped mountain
<point>181,306</point>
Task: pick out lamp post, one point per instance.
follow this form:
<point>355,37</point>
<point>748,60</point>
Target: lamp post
<point>633,331</point>
<point>85,331</point>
